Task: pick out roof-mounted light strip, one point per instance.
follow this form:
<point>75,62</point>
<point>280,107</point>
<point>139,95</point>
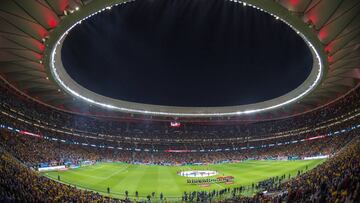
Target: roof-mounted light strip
<point>163,113</point>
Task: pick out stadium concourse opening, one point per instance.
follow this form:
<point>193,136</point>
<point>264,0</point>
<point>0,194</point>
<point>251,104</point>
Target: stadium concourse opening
<point>186,53</point>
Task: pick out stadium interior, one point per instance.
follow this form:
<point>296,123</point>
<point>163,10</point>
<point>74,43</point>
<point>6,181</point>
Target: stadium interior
<point>180,101</point>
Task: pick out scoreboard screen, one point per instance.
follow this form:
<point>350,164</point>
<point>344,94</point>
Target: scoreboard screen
<point>175,124</point>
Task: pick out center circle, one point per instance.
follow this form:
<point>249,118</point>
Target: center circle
<point>186,53</point>
<point>198,174</point>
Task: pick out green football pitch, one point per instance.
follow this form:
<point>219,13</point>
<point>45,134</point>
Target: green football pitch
<point>145,179</point>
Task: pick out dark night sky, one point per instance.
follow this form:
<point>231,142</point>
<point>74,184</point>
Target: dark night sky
<point>186,53</point>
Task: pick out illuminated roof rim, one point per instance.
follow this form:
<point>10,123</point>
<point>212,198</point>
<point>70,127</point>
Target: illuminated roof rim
<point>306,87</point>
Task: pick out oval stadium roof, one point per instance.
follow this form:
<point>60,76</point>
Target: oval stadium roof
<point>26,26</point>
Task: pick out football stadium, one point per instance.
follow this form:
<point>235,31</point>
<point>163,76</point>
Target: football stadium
<point>180,101</point>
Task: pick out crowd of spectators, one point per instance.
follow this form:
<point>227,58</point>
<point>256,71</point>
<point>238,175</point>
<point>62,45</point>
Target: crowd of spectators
<point>36,150</point>
<point>21,123</point>
<point>336,180</point>
<point>20,184</point>
<point>29,109</point>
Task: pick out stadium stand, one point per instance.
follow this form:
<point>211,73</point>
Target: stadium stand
<point>27,109</point>
<point>33,151</point>
<point>32,135</point>
<point>20,184</point>
<point>337,180</point>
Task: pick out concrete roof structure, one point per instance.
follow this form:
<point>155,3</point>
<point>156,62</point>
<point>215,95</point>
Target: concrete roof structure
<point>30,29</point>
